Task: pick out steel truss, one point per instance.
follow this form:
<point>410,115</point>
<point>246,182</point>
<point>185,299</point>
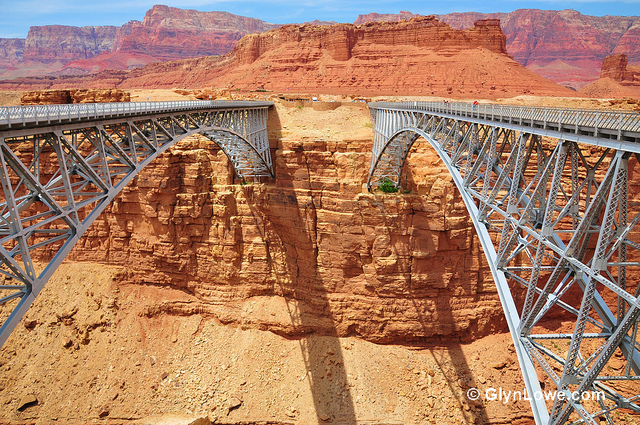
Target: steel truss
<point>62,167</point>
<point>556,219</point>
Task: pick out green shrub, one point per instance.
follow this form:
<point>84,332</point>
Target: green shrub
<point>387,186</point>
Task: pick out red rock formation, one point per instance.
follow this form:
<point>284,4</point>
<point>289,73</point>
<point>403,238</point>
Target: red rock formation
<point>58,43</point>
<point>166,33</point>
<point>169,33</point>
<point>52,97</point>
<point>617,80</point>
<point>616,68</point>
<point>410,57</point>
<point>385,268</point>
<point>385,17</point>
<point>11,50</point>
<point>564,46</point>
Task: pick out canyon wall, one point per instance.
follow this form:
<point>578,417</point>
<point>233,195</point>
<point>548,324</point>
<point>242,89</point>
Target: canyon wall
<point>58,43</point>
<point>385,268</point>
<point>54,97</point>
<point>391,58</point>
<point>413,57</point>
<point>617,79</point>
<point>169,33</point>
<point>165,33</point>
<point>163,305</point>
<point>617,68</point>
<point>564,46</point>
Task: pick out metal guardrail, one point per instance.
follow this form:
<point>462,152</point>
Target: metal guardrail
<point>592,122</point>
<point>34,115</point>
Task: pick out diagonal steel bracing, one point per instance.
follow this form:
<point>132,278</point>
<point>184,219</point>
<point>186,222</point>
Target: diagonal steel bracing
<point>548,192</point>
<point>62,165</point>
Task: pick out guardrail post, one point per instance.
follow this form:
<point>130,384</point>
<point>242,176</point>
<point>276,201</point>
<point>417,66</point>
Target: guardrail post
<point>619,126</point>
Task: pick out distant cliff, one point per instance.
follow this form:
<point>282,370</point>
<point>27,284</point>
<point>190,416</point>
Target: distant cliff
<point>413,57</point>
<point>564,46</point>
<point>165,33</point>
<point>617,80</point>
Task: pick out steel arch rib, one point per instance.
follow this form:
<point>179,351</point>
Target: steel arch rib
<point>546,202</point>
<point>511,314</point>
<point>96,160</point>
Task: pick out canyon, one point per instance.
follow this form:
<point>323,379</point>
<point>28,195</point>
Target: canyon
<point>386,58</point>
<point>279,302</point>
<point>165,33</point>
<point>563,46</point>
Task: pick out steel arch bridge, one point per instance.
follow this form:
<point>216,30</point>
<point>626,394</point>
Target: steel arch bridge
<point>547,191</point>
<point>63,164</point>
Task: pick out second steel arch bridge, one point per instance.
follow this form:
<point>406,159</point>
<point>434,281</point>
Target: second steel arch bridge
<point>548,193</point>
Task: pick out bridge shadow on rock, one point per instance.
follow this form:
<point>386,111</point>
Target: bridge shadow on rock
<point>290,236</point>
<point>457,279</point>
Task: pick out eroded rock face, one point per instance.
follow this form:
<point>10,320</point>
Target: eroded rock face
<point>385,268</point>
<point>407,58</point>
<point>169,33</point>
<point>59,43</point>
<point>52,97</point>
<point>165,33</point>
<point>11,50</point>
<point>341,40</point>
<point>564,46</point>
<point>616,67</point>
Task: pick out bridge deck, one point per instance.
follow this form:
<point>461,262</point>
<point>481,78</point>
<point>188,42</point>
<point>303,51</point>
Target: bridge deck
<point>591,126</point>
<point>17,117</point>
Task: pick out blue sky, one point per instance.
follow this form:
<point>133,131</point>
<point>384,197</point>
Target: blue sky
<point>16,16</point>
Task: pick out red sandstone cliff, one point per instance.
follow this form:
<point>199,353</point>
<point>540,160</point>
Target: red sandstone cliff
<point>564,46</point>
<point>617,67</point>
<point>53,97</point>
<point>407,58</point>
<point>384,268</point>
<point>166,33</point>
<point>169,33</point>
<point>617,80</point>
<point>58,43</point>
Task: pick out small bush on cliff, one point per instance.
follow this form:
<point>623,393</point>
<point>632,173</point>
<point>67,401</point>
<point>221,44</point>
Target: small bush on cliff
<point>387,186</point>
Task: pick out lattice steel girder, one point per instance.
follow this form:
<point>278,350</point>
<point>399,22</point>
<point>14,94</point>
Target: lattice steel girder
<point>57,179</point>
<point>556,220</point>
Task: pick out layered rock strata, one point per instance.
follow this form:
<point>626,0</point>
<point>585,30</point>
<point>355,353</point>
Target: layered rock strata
<point>617,68</point>
<point>311,253</point>
<point>165,33</point>
<point>407,58</point>
<point>52,97</point>
<point>617,80</point>
<point>564,46</point>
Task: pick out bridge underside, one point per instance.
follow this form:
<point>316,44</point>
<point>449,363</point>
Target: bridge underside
<point>556,220</point>
<point>57,180</point>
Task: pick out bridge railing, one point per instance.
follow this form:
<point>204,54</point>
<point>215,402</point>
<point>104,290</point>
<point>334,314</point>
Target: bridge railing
<point>594,121</point>
<point>12,116</point>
